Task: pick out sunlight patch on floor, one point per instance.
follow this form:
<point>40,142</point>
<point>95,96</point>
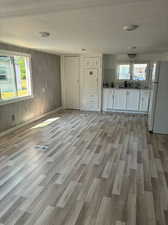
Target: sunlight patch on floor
<point>46,122</point>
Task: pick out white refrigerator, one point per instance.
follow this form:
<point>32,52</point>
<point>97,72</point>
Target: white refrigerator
<point>158,107</point>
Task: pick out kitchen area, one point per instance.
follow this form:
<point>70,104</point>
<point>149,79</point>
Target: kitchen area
<point>125,85</point>
<point>137,86</point>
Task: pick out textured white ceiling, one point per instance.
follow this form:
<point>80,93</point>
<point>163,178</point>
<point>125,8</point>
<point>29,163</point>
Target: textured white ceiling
<point>92,24</point>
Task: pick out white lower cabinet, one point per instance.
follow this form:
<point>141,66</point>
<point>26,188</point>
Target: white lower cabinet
<point>119,99</point>
<point>144,100</point>
<point>132,100</point>
<point>125,100</point>
<point>108,99</point>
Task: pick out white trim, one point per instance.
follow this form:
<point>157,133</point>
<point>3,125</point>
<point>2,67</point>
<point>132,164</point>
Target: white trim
<point>13,53</point>
<point>17,99</point>
<point>131,65</point>
<point>28,122</point>
<point>62,81</point>
<point>30,80</point>
<point>125,111</point>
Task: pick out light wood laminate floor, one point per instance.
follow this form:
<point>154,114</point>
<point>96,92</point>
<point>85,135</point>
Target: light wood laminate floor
<point>99,169</point>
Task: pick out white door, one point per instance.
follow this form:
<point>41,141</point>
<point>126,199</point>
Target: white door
<point>132,100</point>
<point>71,82</point>
<point>91,87</point>
<point>144,101</point>
<point>119,99</point>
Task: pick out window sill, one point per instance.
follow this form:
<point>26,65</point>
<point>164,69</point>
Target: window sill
<point>14,100</point>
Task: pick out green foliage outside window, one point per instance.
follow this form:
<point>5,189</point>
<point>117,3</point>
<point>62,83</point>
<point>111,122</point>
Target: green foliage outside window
<point>21,62</point>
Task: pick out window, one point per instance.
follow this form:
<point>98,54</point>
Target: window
<point>139,72</point>
<point>124,72</point>
<point>132,71</point>
<point>14,76</point>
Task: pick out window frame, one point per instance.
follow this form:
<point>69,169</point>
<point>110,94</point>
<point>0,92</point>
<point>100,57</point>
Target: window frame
<point>139,63</point>
<point>120,64</point>
<point>131,64</point>
<point>19,98</point>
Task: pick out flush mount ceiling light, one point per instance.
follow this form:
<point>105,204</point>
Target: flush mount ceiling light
<point>44,34</point>
<point>130,27</point>
<point>132,56</point>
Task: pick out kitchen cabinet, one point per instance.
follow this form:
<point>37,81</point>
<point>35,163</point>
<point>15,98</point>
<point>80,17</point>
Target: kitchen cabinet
<point>91,62</point>
<point>119,99</point>
<point>108,99</point>
<point>133,100</point>
<point>144,100</point>
<point>126,100</point>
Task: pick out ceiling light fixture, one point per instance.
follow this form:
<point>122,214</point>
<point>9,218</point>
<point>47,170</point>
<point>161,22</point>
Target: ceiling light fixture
<point>130,27</point>
<point>83,49</point>
<point>44,34</point>
<point>132,56</point>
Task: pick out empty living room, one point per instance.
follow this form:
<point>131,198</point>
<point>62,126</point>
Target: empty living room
<point>83,112</point>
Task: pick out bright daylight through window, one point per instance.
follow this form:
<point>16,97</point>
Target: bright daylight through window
<point>124,72</point>
<point>139,72</point>
<point>133,71</point>
<point>15,79</point>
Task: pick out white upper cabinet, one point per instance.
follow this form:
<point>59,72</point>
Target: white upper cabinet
<point>91,62</point>
<point>144,100</point>
<point>119,99</point>
<point>132,100</point>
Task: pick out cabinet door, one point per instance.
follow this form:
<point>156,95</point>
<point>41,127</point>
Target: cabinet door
<point>119,99</point>
<point>133,100</point>
<point>105,94</point>
<point>110,99</point>
<point>91,62</point>
<point>107,99</point>
<point>144,101</point>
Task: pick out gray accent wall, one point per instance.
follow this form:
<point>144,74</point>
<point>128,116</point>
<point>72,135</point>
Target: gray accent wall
<point>45,75</point>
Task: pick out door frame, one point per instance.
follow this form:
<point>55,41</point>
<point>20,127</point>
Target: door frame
<point>63,94</point>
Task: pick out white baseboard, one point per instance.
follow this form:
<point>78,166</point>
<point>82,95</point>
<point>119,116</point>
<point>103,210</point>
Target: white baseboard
<point>124,111</point>
<point>29,121</point>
